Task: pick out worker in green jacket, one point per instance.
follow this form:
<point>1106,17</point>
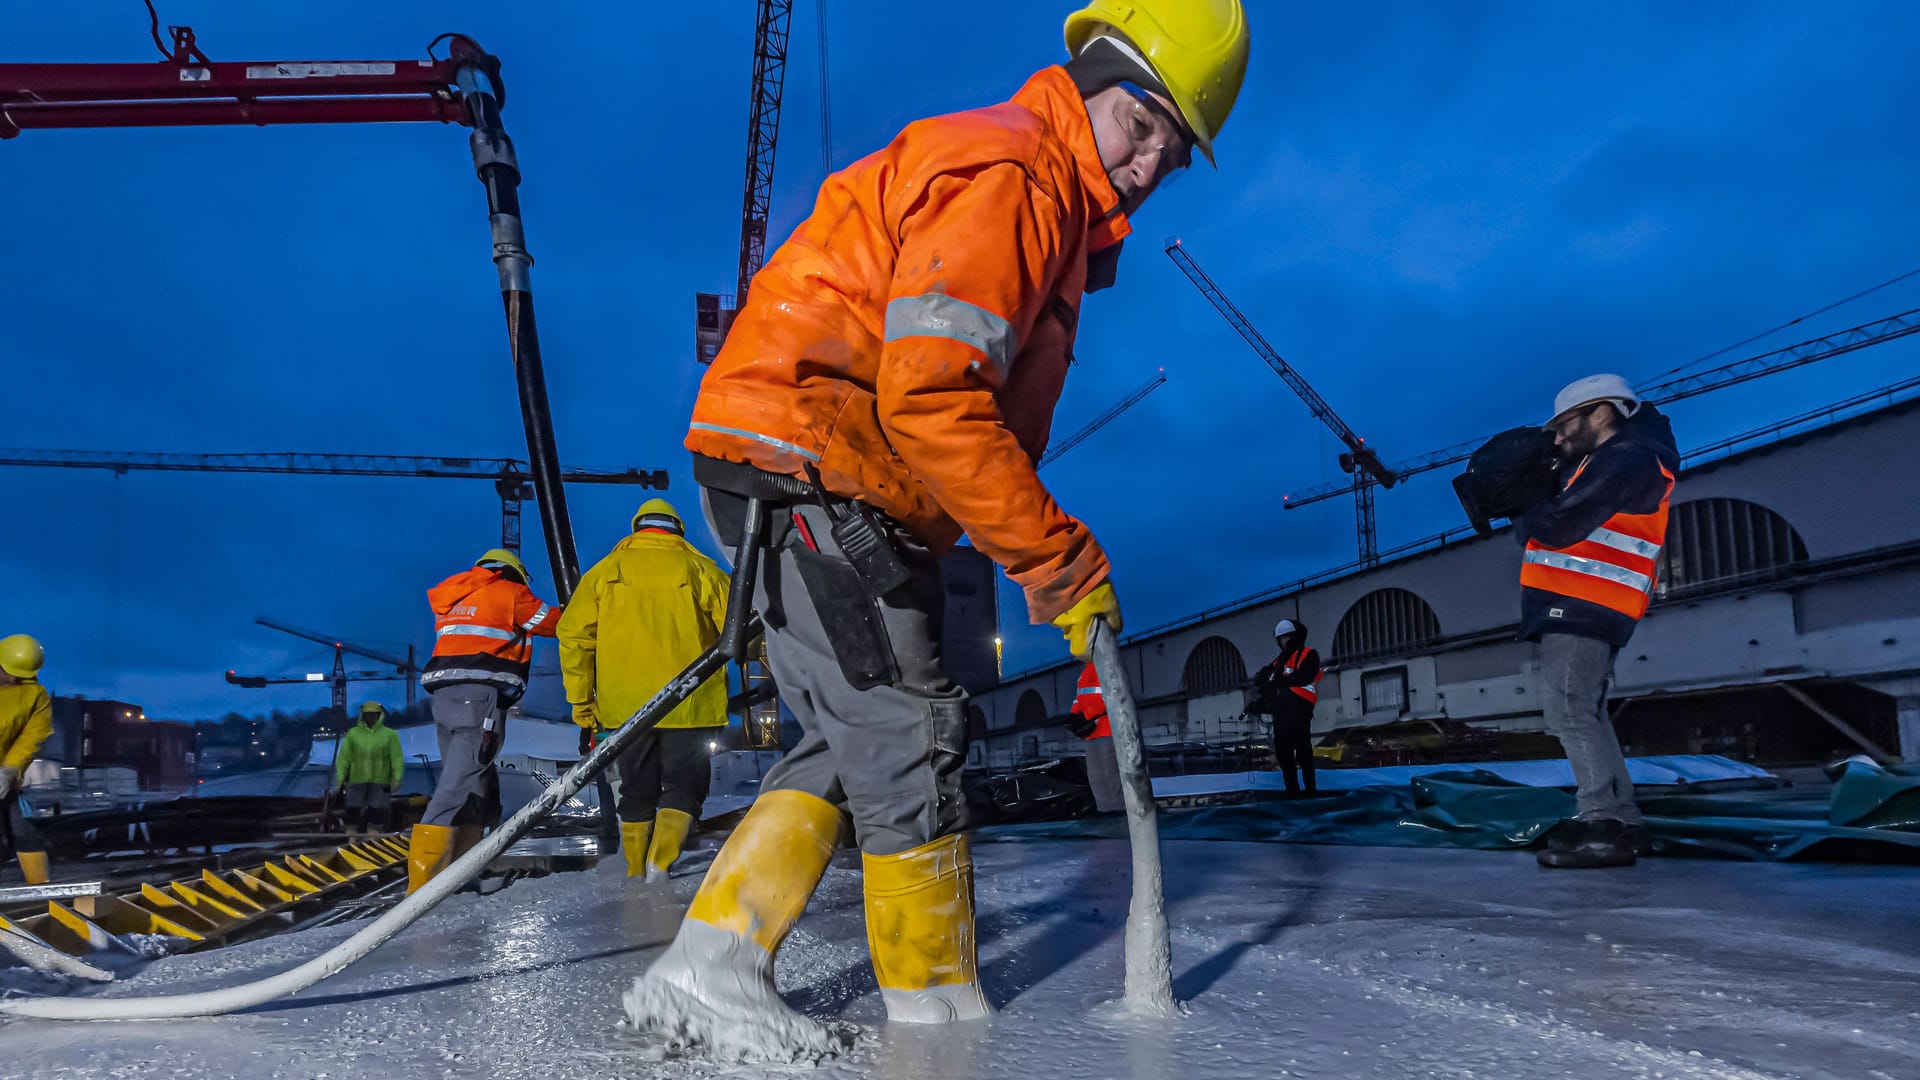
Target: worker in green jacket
<point>368,767</point>
<point>26,719</point>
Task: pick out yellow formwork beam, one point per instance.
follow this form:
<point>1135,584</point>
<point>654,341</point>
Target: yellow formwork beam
<point>316,869</point>
<point>220,915</point>
<point>121,917</point>
<point>170,906</point>
<point>224,890</point>
<point>299,884</point>
<point>98,938</point>
<point>258,887</point>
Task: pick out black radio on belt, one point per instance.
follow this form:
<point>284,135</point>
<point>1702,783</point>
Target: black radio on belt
<point>863,541</point>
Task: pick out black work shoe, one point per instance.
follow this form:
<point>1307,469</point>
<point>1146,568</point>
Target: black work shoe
<point>1636,837</point>
<point>1589,845</point>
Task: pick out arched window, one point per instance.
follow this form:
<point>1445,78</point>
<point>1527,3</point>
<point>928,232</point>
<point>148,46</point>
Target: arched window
<point>1385,622</point>
<point>1717,542</point>
<point>1214,666</point>
<point>1030,711</point>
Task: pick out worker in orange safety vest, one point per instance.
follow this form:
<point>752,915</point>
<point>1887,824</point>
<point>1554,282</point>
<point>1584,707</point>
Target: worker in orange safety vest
<point>888,384</point>
<point>1288,690</point>
<point>484,623</point>
<point>1091,724</point>
<point>1586,577</point>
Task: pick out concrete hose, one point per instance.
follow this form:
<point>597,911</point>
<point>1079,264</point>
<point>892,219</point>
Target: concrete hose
<point>441,886</point>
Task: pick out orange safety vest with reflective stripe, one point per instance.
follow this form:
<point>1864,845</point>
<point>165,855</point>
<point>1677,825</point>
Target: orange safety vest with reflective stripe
<point>1090,703</point>
<point>1615,566</point>
<point>484,624</point>
<point>1311,691</point>
<point>911,339</point>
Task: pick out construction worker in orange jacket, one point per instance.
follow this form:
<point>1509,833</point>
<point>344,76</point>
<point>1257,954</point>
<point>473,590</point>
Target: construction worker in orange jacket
<point>484,623</point>
<point>1586,577</point>
<point>889,382</point>
<point>26,719</point>
<point>1091,724</point>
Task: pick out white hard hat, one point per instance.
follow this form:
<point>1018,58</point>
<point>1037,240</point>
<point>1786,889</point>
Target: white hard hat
<point>1595,388</point>
<point>1284,627</point>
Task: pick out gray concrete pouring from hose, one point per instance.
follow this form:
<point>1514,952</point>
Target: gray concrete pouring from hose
<point>1149,987</point>
<point>402,915</point>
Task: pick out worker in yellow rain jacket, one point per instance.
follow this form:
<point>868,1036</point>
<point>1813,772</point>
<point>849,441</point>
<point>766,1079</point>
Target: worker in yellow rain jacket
<point>639,616</point>
<point>26,719</point>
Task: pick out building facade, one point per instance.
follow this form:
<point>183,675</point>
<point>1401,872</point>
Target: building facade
<point>1789,599</point>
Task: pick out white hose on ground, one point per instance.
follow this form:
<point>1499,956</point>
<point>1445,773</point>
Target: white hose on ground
<point>443,885</point>
<point>1149,954</point>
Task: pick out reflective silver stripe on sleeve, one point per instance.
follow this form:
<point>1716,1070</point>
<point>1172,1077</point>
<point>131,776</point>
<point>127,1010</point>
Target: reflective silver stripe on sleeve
<point>476,631</point>
<point>537,616</point>
<point>942,316</point>
<point>754,436</point>
<point>1087,691</point>
<point>1619,575</point>
<point>1632,545</point>
<point>441,675</point>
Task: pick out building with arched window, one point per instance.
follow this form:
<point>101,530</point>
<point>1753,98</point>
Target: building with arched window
<point>1384,622</point>
<point>1789,561</point>
<point>1213,667</point>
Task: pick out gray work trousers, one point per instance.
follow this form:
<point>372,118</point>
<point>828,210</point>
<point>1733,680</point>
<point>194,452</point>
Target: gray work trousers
<point>1103,775</point>
<point>665,769</point>
<point>1574,675</point>
<point>366,805</point>
<point>890,754</point>
<point>468,791</point>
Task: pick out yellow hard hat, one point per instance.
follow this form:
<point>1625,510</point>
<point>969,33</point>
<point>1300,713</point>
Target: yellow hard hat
<point>21,656</point>
<point>658,514</point>
<point>1197,48</point>
<point>505,558</point>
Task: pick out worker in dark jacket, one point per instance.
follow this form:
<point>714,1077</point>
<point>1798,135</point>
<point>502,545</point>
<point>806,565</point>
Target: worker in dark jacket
<point>1090,723</point>
<point>1288,689</point>
<point>1591,561</point>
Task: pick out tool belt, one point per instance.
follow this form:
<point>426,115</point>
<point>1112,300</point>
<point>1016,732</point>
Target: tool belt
<point>846,583</point>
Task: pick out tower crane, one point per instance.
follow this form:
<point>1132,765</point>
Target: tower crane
<point>1053,452</point>
<point>1358,459</point>
<point>511,478</point>
<point>713,313</point>
<point>403,666</point>
<point>1839,343</point>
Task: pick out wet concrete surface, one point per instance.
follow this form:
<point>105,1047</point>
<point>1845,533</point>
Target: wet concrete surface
<point>1296,961</point>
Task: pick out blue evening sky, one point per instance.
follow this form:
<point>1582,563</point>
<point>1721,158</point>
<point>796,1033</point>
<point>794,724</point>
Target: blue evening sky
<point>1439,212</point>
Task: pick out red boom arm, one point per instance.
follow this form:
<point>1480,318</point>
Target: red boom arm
<point>188,89</point>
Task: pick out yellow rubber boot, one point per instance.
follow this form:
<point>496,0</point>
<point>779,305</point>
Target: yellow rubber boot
<point>429,850</point>
<point>669,835</point>
<point>713,986</point>
<point>633,844</point>
<point>33,867</point>
<point>920,932</point>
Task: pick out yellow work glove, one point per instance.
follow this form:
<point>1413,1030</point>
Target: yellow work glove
<point>586,714</point>
<point>1077,622</point>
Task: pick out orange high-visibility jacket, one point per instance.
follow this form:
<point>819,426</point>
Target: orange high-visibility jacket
<point>483,628</point>
<point>1090,703</point>
<point>1616,566</point>
<point>911,338</point>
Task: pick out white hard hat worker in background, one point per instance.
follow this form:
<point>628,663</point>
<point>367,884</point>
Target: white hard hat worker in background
<point>942,326</point>
<point>1577,425</point>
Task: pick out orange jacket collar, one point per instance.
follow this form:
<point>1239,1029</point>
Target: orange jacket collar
<point>1051,95</point>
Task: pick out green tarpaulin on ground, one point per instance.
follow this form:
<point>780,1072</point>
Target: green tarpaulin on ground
<point>1872,815</point>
